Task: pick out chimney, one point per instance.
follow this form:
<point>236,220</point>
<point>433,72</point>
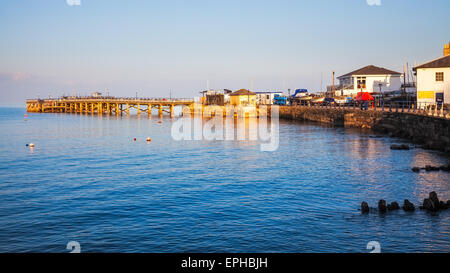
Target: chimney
<point>447,49</point>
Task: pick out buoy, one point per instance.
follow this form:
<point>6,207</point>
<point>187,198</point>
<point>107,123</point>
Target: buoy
<point>134,139</point>
<point>160,121</point>
<point>31,145</point>
<point>149,139</point>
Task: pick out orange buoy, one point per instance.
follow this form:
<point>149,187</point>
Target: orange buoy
<point>160,121</point>
<point>31,145</point>
<point>149,139</point>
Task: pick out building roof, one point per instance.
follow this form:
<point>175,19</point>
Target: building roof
<point>242,92</point>
<point>437,63</point>
<point>371,70</point>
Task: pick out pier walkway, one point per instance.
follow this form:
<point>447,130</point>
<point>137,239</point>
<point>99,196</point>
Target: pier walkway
<point>106,105</point>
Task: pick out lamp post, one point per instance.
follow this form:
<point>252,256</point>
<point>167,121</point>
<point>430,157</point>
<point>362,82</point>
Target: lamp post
<point>382,97</point>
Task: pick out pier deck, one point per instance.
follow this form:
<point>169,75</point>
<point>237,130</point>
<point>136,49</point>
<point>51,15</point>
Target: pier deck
<point>106,105</point>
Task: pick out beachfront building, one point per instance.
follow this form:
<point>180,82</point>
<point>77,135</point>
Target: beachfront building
<point>266,98</point>
<point>433,80</point>
<point>243,97</point>
<point>368,79</point>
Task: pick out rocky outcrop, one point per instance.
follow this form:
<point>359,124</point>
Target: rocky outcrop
<point>365,207</point>
<point>429,168</point>
<point>433,204</point>
<point>428,205</point>
<point>382,208</point>
<point>408,206</point>
<point>393,206</point>
<point>400,147</point>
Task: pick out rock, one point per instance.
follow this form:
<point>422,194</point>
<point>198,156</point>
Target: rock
<point>430,168</point>
<point>443,205</point>
<point>448,203</point>
<point>400,147</point>
<point>445,168</point>
<point>395,206</point>
<point>428,205</point>
<point>382,206</point>
<point>408,206</point>
<point>434,198</point>
<point>364,207</point>
<point>416,169</point>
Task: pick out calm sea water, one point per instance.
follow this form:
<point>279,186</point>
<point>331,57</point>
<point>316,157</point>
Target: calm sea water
<point>88,181</point>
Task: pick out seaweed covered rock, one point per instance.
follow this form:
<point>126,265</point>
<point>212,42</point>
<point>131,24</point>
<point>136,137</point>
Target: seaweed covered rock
<point>382,208</point>
<point>408,206</point>
<point>365,207</point>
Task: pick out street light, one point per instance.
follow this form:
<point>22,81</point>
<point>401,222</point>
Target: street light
<point>382,96</point>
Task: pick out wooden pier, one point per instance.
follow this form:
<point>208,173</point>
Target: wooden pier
<point>106,105</point>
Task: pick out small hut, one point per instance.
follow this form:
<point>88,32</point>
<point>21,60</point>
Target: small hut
<point>243,97</point>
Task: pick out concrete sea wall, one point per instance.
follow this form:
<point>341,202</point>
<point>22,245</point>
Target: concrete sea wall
<point>430,132</point>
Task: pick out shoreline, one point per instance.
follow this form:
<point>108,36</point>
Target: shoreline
<point>432,133</point>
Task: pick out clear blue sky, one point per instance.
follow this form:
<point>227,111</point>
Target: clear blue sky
<point>49,47</point>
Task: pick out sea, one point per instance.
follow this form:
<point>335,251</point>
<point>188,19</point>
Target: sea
<point>87,180</point>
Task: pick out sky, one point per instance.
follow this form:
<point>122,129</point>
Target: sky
<point>175,47</point>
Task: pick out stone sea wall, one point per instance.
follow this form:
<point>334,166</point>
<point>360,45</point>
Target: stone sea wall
<point>430,132</point>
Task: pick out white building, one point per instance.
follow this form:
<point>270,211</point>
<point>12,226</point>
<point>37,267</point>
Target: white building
<point>433,81</point>
<point>266,98</point>
<point>368,79</point>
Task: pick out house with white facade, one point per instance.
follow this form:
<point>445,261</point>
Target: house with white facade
<point>368,79</point>
<point>266,98</point>
<point>433,81</point>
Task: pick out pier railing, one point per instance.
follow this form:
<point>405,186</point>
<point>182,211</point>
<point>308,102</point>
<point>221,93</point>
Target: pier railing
<point>113,99</point>
<point>426,109</point>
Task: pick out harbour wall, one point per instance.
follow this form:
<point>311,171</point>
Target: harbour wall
<point>430,132</point>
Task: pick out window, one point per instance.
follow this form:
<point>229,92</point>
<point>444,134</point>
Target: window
<point>361,82</point>
<point>439,76</point>
<point>268,97</point>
